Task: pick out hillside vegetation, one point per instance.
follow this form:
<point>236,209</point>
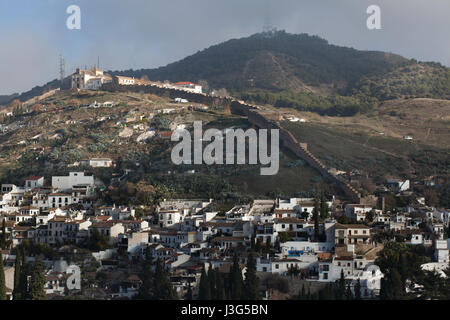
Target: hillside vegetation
<point>306,73</point>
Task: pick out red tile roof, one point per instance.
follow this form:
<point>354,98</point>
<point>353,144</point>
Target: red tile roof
<point>33,178</point>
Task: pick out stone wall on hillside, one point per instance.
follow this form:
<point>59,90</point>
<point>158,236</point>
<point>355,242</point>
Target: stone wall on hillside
<point>256,117</point>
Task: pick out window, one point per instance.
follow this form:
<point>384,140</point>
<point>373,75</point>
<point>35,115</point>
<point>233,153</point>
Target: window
<point>277,266</point>
<point>325,275</point>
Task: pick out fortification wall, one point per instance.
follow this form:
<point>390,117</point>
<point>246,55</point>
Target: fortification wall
<point>255,117</point>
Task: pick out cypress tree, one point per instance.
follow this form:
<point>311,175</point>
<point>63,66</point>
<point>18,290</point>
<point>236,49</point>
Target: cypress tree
<point>236,282</point>
<point>162,289</point>
<point>145,291</point>
<point>37,281</point>
<point>188,293</point>
<point>204,291</point>
<point>341,287</point>
<point>348,293</point>
<point>212,282</point>
<point>268,244</point>
<point>251,283</point>
<point>2,280</point>
<point>323,207</point>
<point>220,288</point>
<point>23,281</point>
<point>17,289</point>
<point>3,239</point>
<point>358,290</point>
<point>316,219</point>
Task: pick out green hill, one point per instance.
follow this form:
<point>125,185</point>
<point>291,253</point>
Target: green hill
<point>278,61</point>
<point>306,73</point>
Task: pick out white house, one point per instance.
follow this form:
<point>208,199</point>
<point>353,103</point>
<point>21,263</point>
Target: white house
<point>34,182</point>
<point>91,79</point>
<point>189,86</point>
<point>66,183</point>
<point>98,163</point>
<point>398,185</point>
<point>357,211</point>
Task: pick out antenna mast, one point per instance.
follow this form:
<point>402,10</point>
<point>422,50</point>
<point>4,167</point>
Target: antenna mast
<point>268,29</point>
<point>62,68</point>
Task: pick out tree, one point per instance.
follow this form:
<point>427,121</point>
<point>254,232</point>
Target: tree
<point>391,286</point>
<point>2,280</point>
<point>235,282</point>
<point>212,282</point>
<point>204,291</point>
<point>37,281</point>
<point>145,291</point>
<point>348,293</point>
<point>358,290</point>
<point>97,241</point>
<point>188,295</point>
<point>25,272</point>
<point>16,291</point>
<point>3,238</point>
<point>305,214</point>
<point>251,283</point>
<point>302,294</point>
<point>258,245</point>
<point>220,287</point>
<point>316,219</point>
<point>268,244</point>
<point>162,289</point>
<point>323,207</point>
<point>341,285</point>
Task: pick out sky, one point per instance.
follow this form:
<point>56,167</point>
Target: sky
<point>135,34</point>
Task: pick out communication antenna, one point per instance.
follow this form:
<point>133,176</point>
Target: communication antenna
<point>268,28</point>
<point>62,68</point>
<point>98,62</point>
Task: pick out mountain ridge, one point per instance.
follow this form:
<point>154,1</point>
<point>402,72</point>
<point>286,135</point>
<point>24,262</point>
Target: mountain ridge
<point>299,71</point>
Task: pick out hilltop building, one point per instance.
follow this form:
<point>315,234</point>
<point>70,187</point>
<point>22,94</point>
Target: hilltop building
<point>189,86</point>
<point>91,79</point>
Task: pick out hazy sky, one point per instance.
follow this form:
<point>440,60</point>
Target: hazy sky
<point>151,33</point>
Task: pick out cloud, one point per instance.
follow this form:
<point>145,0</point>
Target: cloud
<point>26,60</point>
<point>152,33</point>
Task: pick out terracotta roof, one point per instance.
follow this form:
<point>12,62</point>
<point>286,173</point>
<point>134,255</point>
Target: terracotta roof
<point>229,239</point>
<point>351,226</point>
<point>184,83</point>
<point>33,178</point>
<point>290,220</point>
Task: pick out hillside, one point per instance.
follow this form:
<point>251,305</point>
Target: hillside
<point>280,61</point>
<point>306,73</point>
<point>297,71</point>
<point>68,131</point>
